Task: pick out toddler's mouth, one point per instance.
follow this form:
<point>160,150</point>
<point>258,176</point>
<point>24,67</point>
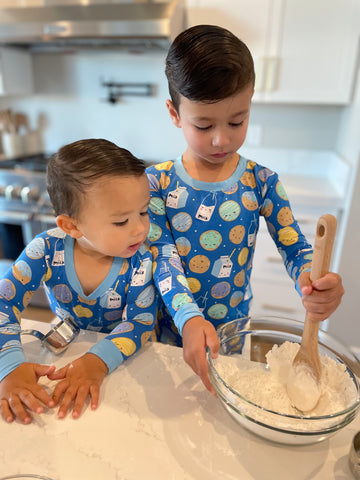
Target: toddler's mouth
<point>135,246</point>
<point>220,154</point>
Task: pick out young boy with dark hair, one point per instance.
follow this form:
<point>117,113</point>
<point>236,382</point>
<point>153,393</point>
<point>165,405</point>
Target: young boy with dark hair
<point>206,205</point>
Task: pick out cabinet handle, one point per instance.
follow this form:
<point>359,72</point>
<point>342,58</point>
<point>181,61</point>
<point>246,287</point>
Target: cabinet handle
<point>268,306</point>
<point>260,68</point>
<point>306,221</point>
<point>272,67</point>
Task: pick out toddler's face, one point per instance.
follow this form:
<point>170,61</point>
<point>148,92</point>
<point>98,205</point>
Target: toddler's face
<point>114,219</point>
<point>215,131</point>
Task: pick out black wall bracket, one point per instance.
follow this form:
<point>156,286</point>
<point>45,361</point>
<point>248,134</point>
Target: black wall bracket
<point>117,90</point>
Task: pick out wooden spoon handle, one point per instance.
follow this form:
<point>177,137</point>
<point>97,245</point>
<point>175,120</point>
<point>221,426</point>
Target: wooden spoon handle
<point>324,241</point>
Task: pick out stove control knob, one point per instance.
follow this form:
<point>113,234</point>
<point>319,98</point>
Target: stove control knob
<point>29,194</point>
<point>12,192</point>
<point>9,192</point>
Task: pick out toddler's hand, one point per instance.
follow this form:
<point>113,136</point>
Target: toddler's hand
<point>197,334</point>
<point>80,378</point>
<point>321,297</point>
<point>20,391</point>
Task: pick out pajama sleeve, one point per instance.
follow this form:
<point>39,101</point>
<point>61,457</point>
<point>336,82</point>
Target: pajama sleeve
<point>16,289</point>
<point>169,274</point>
<point>292,245</point>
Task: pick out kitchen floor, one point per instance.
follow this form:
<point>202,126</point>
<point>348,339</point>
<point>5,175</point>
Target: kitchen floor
<point>40,314</point>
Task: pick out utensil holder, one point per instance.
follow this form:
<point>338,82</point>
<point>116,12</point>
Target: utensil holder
<point>12,144</point>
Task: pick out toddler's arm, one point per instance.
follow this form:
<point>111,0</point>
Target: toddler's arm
<point>20,392</point>
<point>16,289</point>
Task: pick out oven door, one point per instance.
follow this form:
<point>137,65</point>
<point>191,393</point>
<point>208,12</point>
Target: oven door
<point>22,219</point>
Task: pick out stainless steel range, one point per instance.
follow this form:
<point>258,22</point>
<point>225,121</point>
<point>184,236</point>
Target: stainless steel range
<point>25,208</point>
<point>23,197</point>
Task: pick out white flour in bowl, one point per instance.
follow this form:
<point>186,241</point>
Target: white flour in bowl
<point>266,385</point>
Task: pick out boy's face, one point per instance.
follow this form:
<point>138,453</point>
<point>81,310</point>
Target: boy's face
<point>213,131</point>
<point>113,218</point>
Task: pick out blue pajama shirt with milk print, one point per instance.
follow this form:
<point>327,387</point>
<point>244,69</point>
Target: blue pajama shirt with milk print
<point>203,237</point>
<point>123,305</point>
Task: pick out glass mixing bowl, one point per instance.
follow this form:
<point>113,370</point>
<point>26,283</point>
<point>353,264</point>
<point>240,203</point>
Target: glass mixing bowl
<point>251,338</point>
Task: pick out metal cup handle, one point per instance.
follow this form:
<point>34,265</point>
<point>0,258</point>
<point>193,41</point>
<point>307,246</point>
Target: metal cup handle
<point>36,333</point>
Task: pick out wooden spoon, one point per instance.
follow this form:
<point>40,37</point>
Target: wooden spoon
<point>303,384</point>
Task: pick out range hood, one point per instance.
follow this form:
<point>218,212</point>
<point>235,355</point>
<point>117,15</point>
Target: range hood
<point>58,24</point>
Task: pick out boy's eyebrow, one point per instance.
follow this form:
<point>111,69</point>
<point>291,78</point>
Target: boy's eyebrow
<point>242,112</point>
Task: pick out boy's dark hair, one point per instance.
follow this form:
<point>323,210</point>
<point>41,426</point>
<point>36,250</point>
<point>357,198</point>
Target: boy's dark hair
<point>207,63</point>
<point>75,166</point>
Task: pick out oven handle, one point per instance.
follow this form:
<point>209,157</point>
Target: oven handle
<point>8,216</point>
<point>43,218</point>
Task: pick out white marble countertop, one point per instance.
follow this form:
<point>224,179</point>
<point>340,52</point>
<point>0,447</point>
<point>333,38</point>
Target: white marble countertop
<point>156,421</point>
<point>311,177</point>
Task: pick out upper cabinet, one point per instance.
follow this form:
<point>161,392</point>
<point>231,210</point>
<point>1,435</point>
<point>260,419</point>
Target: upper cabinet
<point>16,76</point>
<point>304,51</point>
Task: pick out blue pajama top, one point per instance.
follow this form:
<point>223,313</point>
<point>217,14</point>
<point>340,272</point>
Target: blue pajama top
<point>123,305</point>
<point>203,237</point>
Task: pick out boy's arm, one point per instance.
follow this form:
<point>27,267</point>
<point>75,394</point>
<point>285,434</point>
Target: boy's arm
<point>292,245</point>
<point>169,276</point>
<point>320,298</point>
<point>170,279</point>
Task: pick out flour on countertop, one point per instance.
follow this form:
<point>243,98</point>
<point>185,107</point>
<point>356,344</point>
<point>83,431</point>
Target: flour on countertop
<point>266,385</point>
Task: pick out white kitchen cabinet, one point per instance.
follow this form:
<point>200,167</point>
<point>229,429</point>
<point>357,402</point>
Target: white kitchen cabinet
<point>317,56</point>
<point>16,76</point>
<point>304,51</point>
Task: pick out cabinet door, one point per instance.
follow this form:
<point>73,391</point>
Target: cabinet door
<point>317,53</point>
<point>255,22</point>
<point>304,51</point>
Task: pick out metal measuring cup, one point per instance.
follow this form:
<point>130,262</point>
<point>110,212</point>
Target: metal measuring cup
<point>58,338</point>
<point>354,456</point>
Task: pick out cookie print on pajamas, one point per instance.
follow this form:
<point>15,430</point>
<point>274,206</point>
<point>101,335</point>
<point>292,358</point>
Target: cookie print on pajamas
<point>214,228</point>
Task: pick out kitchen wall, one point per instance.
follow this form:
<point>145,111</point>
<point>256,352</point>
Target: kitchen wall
<point>69,103</point>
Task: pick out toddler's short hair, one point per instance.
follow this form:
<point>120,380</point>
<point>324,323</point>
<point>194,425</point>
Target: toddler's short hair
<point>75,166</point>
<point>207,63</point>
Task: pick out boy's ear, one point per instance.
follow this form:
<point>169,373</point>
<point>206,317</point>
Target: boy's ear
<point>68,225</point>
<point>173,113</point>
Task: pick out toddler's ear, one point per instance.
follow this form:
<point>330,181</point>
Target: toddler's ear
<point>68,225</point>
<point>173,113</point>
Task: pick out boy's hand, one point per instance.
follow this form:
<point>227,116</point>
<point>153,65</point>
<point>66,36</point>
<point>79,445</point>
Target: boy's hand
<point>321,297</point>
<point>197,334</point>
<point>20,391</point>
<point>80,378</point>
